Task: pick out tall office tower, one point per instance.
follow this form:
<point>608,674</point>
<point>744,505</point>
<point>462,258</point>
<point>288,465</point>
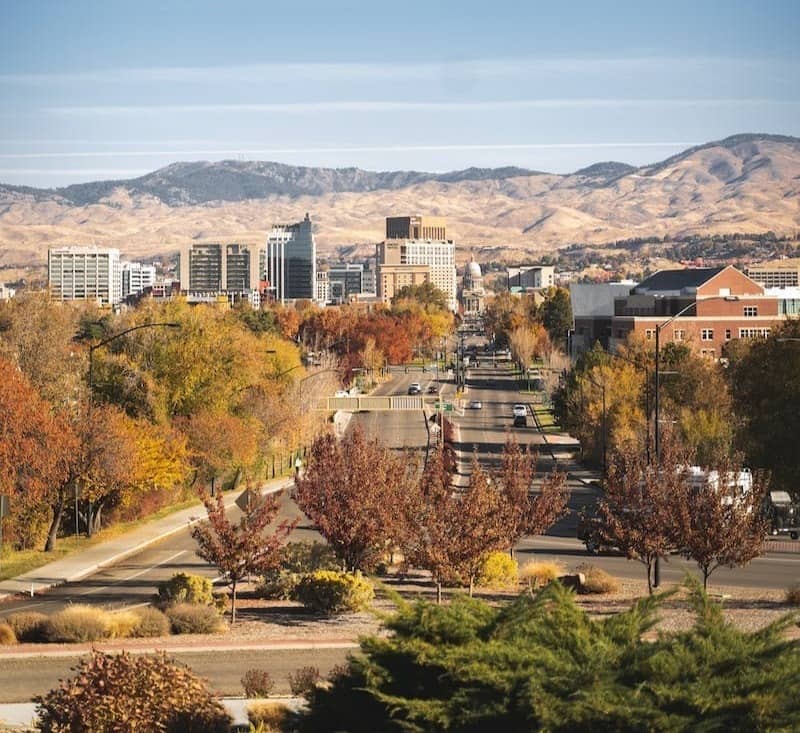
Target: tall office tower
<point>241,273</point>
<point>412,262</point>
<point>291,261</point>
<point>346,279</point>
<point>136,277</point>
<point>416,227</point>
<point>85,273</point>
<point>322,292</point>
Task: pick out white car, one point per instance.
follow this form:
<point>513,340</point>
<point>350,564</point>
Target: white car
<point>415,388</point>
<point>476,405</point>
<point>520,410</point>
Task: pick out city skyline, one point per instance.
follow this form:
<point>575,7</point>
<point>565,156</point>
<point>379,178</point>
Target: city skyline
<point>430,87</point>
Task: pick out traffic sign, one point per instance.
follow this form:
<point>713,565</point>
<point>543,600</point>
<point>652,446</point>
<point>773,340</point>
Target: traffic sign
<point>446,406</point>
<point>248,500</point>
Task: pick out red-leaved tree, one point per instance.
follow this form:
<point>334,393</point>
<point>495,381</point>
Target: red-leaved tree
<point>242,548</point>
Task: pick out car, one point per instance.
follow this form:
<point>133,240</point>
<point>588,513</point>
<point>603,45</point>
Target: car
<point>520,410</point>
<point>433,389</point>
<point>476,405</point>
<point>520,421</point>
<point>415,388</point>
<point>341,393</point>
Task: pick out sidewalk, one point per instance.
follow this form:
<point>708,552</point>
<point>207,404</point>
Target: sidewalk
<point>82,563</point>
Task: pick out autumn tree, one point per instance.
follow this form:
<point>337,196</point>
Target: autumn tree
<point>352,490</point>
<point>526,512</point>
<point>721,521</point>
<point>240,549</point>
<point>426,294</point>
<point>555,313</point>
<point>639,509</point>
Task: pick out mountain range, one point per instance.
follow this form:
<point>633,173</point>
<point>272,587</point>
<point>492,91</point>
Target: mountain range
<point>744,183</point>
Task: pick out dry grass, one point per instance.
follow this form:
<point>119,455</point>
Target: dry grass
<point>538,574</point>
<point>29,626</point>
<point>121,624</point>
<point>271,716</point>
<point>597,580</point>
<point>79,623</point>
<point>191,618</point>
<point>7,635</point>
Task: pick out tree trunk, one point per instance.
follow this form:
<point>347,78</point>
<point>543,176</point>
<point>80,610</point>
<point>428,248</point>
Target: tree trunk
<point>438,592</point>
<point>52,534</point>
<point>650,577</point>
<point>233,602</point>
<point>706,574</point>
<point>471,585</point>
<point>95,517</point>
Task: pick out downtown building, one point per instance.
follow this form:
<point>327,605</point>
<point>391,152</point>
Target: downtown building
<point>290,262</point>
<point>403,261</point>
<point>213,271</point>
<point>136,277</point>
<point>85,274</point>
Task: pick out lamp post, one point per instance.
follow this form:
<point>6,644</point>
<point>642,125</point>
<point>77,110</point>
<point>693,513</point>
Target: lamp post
<point>657,446</point>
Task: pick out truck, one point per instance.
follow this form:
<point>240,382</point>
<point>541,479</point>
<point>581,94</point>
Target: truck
<point>784,514</point>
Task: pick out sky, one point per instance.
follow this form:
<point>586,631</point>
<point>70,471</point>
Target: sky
<point>114,89</point>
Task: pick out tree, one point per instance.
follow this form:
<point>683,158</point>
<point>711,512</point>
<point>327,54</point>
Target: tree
<point>524,513</point>
<point>426,294</point>
<point>351,491</point>
<point>722,522</point>
<point>127,693</point>
<point>556,313</point>
<point>241,549</point>
<point>765,384</point>
<point>430,513</point>
<point>639,509</point>
<point>36,445</point>
<point>544,664</point>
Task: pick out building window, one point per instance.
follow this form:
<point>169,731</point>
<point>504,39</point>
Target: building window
<point>707,334</point>
<point>750,311</point>
<point>753,333</point>
<point>707,353</point>
<point>727,334</point>
<point>678,334</point>
<point>650,333</point>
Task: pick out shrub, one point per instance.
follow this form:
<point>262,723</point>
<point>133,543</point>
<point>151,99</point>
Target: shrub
<point>78,623</point>
<point>793,594</point>
<point>121,624</point>
<point>183,588</point>
<point>29,626</point>
<point>499,570</point>
<point>257,683</point>
<point>329,591</point>
<point>268,716</point>
<point>297,558</point>
<point>130,694</point>
<point>150,622</point>
<point>303,681</point>
<point>597,580</point>
<point>189,618</point>
<point>7,635</point>
<point>539,574</point>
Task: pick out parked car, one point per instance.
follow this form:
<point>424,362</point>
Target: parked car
<point>784,514</point>
<point>520,410</point>
<point>476,405</point>
<point>415,388</point>
<point>520,421</point>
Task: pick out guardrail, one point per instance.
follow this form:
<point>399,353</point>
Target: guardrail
<point>374,403</point>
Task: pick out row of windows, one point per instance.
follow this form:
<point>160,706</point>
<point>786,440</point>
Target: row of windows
<point>707,334</point>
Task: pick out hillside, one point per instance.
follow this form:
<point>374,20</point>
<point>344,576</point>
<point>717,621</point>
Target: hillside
<point>746,183</point>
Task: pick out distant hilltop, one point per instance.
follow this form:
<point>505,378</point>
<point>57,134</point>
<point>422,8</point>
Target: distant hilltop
<point>744,183</point>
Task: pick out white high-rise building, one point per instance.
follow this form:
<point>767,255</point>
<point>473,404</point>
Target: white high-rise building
<point>322,292</point>
<point>85,273</point>
<point>291,261</point>
<point>136,277</point>
<point>397,255</point>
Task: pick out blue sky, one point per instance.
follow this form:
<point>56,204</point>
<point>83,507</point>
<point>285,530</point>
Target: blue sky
<point>92,90</point>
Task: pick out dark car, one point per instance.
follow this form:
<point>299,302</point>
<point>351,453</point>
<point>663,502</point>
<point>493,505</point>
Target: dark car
<point>433,389</point>
<point>520,421</point>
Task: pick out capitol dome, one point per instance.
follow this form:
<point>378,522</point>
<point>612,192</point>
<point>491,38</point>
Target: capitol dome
<point>474,269</point>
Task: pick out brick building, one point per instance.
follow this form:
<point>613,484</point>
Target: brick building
<point>727,305</point>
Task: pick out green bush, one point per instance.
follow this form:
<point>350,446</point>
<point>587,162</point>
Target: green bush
<point>257,683</point>
<point>297,558</point>
<point>190,618</point>
<point>330,591</point>
<point>303,681</point>
<point>131,694</point>
<point>267,717</point>
<point>28,626</point>
<point>151,622</point>
<point>7,635</point>
<point>78,623</point>
<point>183,588</point>
<point>597,580</point>
<point>499,570</point>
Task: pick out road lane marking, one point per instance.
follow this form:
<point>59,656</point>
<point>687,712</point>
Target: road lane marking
<point>135,575</point>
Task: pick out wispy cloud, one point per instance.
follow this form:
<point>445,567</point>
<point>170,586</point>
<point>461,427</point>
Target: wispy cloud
<point>349,149</point>
<point>322,71</point>
<point>409,106</point>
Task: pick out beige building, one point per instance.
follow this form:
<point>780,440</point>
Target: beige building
<point>416,227</point>
<point>777,274</point>
<point>391,278</point>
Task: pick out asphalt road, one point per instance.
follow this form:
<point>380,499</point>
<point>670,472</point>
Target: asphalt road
<point>23,678</point>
